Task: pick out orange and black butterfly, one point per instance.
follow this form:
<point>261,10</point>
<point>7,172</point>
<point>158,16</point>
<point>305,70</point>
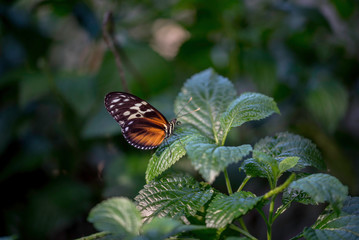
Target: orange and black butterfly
<point>143,126</point>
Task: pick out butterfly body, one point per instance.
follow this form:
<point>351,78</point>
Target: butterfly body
<point>143,126</point>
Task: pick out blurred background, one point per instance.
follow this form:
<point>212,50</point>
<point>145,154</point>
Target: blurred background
<point>61,152</point>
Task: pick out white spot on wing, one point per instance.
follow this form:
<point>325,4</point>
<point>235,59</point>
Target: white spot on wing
<point>126,113</point>
<point>115,100</point>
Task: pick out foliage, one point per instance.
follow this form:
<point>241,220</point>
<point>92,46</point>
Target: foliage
<point>61,153</point>
<point>200,206</point>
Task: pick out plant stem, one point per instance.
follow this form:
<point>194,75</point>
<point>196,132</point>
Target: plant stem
<point>272,194</point>
<point>270,218</point>
<point>243,225</point>
<point>228,183</point>
<point>95,236</point>
<point>260,211</point>
<point>245,180</point>
<point>279,189</point>
<point>245,233</point>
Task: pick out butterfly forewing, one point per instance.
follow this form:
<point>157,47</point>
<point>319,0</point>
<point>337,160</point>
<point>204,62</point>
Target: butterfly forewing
<point>143,126</point>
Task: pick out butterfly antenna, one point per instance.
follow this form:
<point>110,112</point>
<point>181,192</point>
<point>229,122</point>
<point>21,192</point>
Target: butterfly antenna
<point>190,112</point>
<point>183,107</point>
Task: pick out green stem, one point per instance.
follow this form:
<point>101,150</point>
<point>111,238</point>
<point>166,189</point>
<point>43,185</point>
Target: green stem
<point>260,211</point>
<point>94,236</point>
<point>245,180</point>
<point>270,218</point>
<point>279,189</point>
<point>245,233</point>
<point>272,194</point>
<point>243,225</point>
<point>228,183</point>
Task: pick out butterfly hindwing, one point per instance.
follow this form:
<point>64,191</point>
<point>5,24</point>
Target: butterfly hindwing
<point>142,125</point>
<point>145,133</point>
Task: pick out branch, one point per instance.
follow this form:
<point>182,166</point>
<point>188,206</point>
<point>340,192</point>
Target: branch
<point>108,36</point>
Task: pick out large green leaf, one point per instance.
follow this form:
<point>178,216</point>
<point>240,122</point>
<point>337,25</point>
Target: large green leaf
<point>116,215</point>
<point>351,206</point>
<point>224,209</point>
<point>172,197</point>
<point>247,107</point>
<point>167,155</point>
<point>322,188</point>
<point>331,225</point>
<point>342,227</point>
<point>285,145</point>
<point>209,159</point>
<point>210,92</point>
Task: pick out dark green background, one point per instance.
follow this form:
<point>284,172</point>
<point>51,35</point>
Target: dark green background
<point>61,152</point>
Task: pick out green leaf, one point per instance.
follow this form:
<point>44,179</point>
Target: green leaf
<point>163,228</point>
<point>331,225</point>
<point>342,227</point>
<point>262,165</point>
<point>210,92</point>
<point>285,145</point>
<point>351,206</point>
<point>322,188</point>
<point>328,102</point>
<point>172,197</point>
<point>224,209</point>
<point>288,163</point>
<point>116,215</point>
<point>209,159</point>
<point>166,155</point>
<point>247,107</point>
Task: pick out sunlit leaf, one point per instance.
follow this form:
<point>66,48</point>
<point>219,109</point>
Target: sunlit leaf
<point>210,92</point>
<point>247,107</point>
<point>172,197</point>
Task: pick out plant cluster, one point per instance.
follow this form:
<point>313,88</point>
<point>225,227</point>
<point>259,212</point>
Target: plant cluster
<point>177,206</point>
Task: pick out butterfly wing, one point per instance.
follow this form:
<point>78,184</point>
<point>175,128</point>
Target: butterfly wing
<point>143,126</point>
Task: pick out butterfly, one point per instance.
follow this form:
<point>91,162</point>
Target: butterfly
<point>143,126</point>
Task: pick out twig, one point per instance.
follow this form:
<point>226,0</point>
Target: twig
<point>108,36</point>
